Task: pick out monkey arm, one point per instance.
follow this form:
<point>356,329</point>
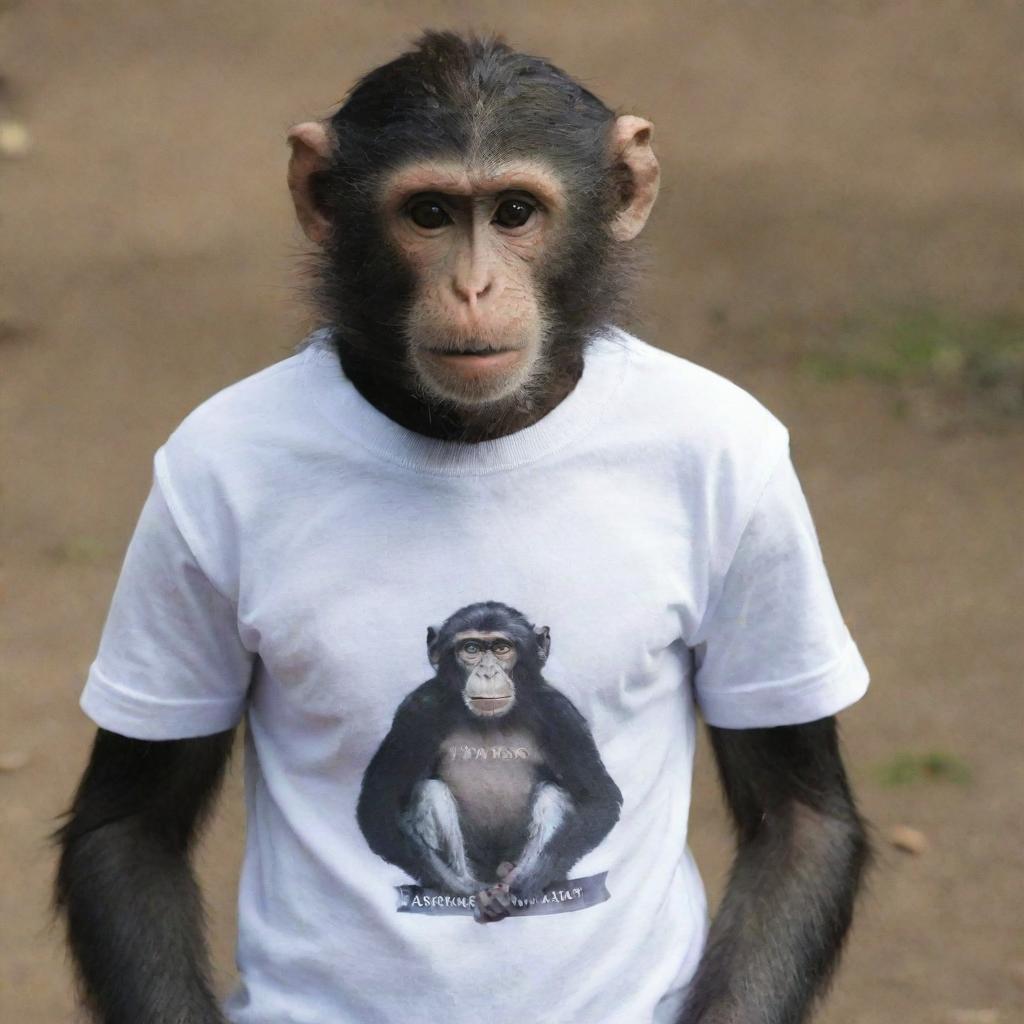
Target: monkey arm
<point>802,852</point>
<point>405,757</point>
<point>574,765</point>
<point>124,882</point>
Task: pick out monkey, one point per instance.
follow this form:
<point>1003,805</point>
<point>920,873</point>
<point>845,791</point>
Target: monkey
<point>488,783</point>
<point>472,212</point>
<point>554,262</point>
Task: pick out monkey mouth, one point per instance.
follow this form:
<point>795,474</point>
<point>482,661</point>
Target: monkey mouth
<point>478,359</point>
<point>482,350</point>
<point>489,705</point>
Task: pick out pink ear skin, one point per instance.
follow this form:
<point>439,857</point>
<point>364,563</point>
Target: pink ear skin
<point>631,141</point>
<point>311,148</point>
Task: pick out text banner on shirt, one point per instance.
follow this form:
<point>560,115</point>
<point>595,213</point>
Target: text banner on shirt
<point>560,898</point>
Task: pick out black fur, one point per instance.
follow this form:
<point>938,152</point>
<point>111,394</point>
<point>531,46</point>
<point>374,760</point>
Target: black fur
<point>411,752</point>
<point>802,853</point>
<point>133,911</point>
<point>472,98</point>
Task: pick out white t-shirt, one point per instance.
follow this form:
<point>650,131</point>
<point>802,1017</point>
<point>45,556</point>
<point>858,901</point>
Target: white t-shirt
<point>293,552</point>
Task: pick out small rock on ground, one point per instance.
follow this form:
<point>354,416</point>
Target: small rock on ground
<point>13,760</point>
<point>907,839</point>
<point>15,140</point>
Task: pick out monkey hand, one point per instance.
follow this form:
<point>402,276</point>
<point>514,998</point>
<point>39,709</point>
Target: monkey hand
<point>494,903</point>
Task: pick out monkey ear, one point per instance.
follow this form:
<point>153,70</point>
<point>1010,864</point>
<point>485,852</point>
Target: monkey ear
<point>432,652</point>
<point>631,142</point>
<point>543,634</point>
<point>311,150</point>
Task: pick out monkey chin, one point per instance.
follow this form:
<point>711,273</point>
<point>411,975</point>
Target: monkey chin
<point>478,380</point>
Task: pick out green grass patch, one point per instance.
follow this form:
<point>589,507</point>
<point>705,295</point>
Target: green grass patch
<point>976,358</point>
<point>905,769</point>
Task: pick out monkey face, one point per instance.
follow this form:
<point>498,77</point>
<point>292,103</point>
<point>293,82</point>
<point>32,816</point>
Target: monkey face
<point>471,237</point>
<point>487,660</point>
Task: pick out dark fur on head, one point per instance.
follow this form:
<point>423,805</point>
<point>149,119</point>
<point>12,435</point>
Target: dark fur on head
<point>455,96</point>
<point>490,617</point>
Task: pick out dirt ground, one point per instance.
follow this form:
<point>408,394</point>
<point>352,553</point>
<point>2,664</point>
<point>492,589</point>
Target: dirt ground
<point>819,158</point>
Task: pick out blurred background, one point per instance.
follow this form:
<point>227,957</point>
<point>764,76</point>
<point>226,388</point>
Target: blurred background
<point>841,231</point>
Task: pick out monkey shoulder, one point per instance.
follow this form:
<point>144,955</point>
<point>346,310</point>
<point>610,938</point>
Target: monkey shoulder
<point>426,701</point>
<point>555,716</point>
<point>689,410</point>
<point>229,457</point>
<point>243,416</point>
<point>557,703</point>
<point>423,712</point>
<point>412,738</point>
<point>712,443</point>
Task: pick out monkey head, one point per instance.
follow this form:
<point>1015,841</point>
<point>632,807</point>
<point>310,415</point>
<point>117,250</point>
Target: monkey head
<point>487,661</point>
<point>482,649</point>
<point>470,204</point>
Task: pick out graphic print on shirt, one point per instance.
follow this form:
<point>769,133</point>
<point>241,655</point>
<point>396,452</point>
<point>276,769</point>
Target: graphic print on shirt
<point>489,781</point>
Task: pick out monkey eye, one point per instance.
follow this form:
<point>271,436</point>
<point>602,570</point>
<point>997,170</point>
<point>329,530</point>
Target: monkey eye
<point>429,214</point>
<point>513,213</point>
<point>501,647</point>
<point>471,647</point>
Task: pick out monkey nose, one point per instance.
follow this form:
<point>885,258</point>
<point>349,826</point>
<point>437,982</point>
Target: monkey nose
<point>472,290</point>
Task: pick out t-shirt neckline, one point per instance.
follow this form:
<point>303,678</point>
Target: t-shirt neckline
<point>604,364</point>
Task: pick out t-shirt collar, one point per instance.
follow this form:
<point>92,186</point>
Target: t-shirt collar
<point>605,362</point>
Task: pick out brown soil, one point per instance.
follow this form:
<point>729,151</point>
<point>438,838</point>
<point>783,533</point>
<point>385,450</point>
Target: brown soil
<point>819,158</point>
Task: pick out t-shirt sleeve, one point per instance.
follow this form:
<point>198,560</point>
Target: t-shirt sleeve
<point>773,649</point>
<point>171,663</point>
